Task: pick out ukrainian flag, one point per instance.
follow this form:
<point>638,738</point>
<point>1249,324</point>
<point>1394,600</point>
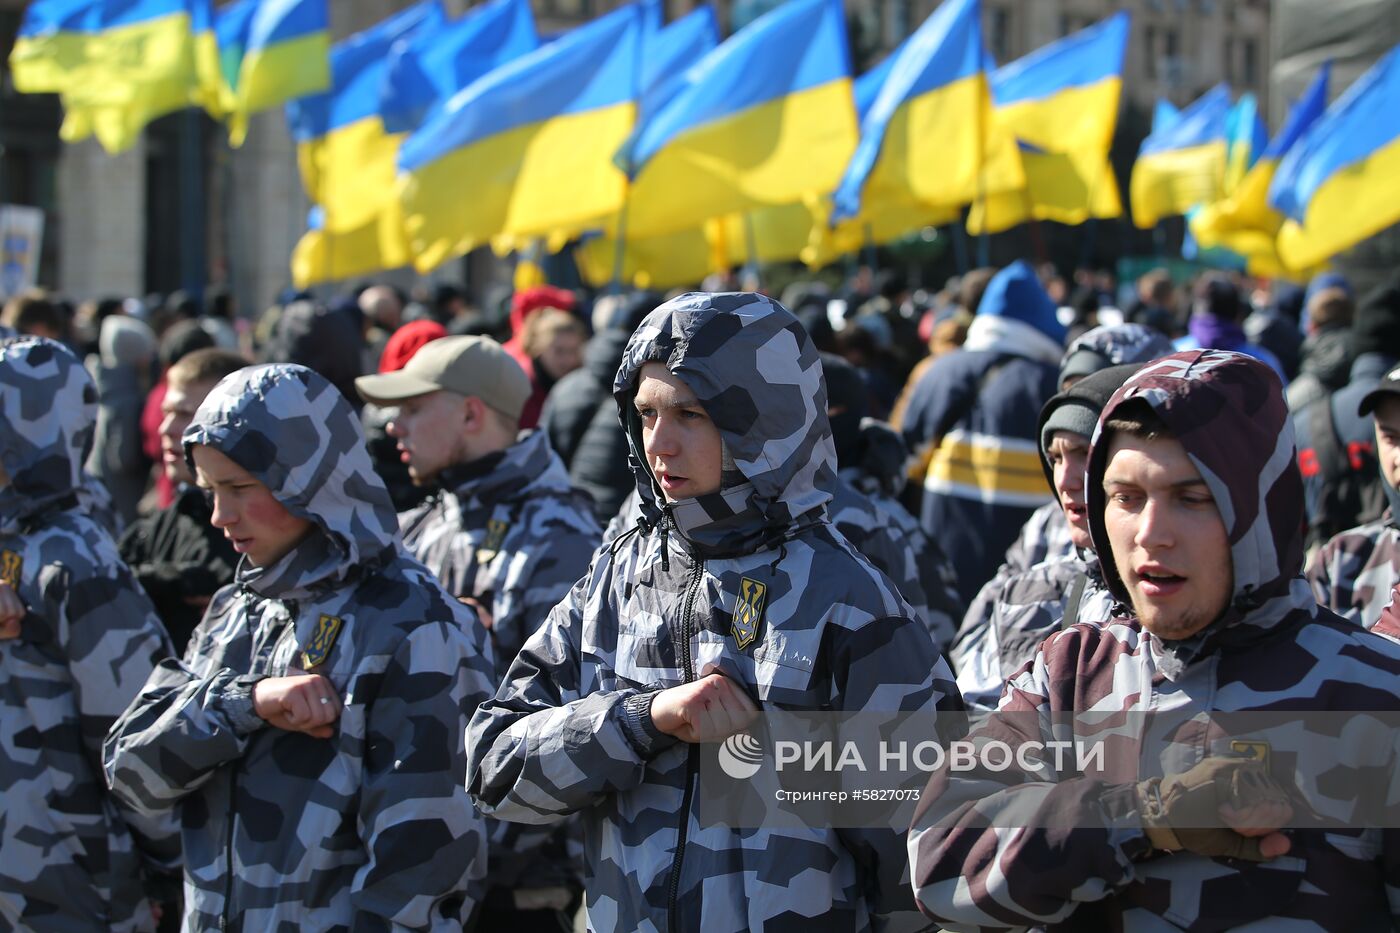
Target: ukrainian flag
<point>765,119</point>
<point>1164,114</point>
<point>929,137</point>
<point>782,233</point>
<point>1243,222</point>
<point>670,52</point>
<point>1340,183</point>
<point>231,24</point>
<point>1184,164</point>
<point>347,161</point>
<point>527,149</point>
<point>425,71</point>
<point>117,65</point>
<point>285,54</point>
<point>1061,104</point>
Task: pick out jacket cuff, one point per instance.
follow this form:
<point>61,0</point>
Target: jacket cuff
<point>235,700</point>
<point>1121,814</point>
<point>647,740</point>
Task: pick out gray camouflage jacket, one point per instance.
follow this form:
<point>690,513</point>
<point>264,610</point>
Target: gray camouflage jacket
<point>369,829</point>
<point>1354,572</point>
<point>511,531</point>
<point>570,731</point>
<point>1026,608</point>
<point>1073,856</point>
<point>74,856</point>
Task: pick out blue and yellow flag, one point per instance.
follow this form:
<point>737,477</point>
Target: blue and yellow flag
<point>1061,104</point>
<point>432,66</point>
<point>348,162</point>
<point>929,138</point>
<point>1164,114</point>
<point>767,118</point>
<point>527,149</point>
<point>1243,222</point>
<point>285,54</point>
<point>1340,183</point>
<point>231,23</point>
<point>670,53</point>
<point>1182,165</point>
<point>117,65</point>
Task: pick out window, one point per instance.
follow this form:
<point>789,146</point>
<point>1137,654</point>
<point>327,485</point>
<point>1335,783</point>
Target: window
<point>1001,34</point>
<point>1249,62</point>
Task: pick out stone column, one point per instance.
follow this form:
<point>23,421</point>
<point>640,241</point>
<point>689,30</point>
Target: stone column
<point>102,221</point>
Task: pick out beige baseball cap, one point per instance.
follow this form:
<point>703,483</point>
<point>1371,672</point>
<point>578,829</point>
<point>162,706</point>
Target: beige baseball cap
<point>468,366</point>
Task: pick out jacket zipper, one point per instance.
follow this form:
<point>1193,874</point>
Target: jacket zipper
<point>228,848</point>
<point>291,605</point>
<point>692,761</point>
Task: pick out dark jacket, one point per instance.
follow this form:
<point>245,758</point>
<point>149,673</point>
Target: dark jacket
<point>1343,488</point>
<point>581,422</point>
<point>176,556</point>
<point>970,427</point>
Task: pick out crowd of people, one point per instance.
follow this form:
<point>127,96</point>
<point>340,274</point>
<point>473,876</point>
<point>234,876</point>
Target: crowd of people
<point>398,613</point>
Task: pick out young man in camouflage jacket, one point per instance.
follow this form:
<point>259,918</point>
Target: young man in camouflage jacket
<point>505,531</point>
<point>78,638</point>
<point>1195,494</point>
<point>313,736</point>
<point>1029,606</point>
<point>733,593</point>
<point>1354,572</point>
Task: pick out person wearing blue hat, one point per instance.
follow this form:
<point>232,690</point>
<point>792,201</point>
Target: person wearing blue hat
<point>971,426</point>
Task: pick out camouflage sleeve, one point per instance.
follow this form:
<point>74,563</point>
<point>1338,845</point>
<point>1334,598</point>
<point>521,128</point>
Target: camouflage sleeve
<point>542,749</point>
<point>979,613</point>
<point>888,666</point>
<point>1010,848</point>
<point>977,659</point>
<point>113,640</point>
<point>184,726</point>
<point>1321,578</point>
<point>425,841</point>
<point>527,604</point>
<point>945,606</point>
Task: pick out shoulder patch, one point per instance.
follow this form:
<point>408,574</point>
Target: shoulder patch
<point>496,530</point>
<point>748,612</point>
<point>1256,749</point>
<point>11,568</point>
<point>322,641</point>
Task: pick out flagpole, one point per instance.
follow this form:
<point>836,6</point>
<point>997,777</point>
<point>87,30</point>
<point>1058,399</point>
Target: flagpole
<point>751,247</point>
<point>983,244</point>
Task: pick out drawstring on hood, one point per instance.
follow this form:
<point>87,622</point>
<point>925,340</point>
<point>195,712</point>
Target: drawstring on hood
<point>48,412</point>
<point>1227,410</point>
<point>294,431</point>
<point>759,378</point>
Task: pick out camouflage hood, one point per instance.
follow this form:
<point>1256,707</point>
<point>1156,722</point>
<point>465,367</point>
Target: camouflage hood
<point>48,411</point>
<point>759,378</point>
<point>1228,411</point>
<point>293,430</point>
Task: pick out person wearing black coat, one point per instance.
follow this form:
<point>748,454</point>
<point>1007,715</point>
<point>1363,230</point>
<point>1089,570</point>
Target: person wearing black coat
<point>581,421</point>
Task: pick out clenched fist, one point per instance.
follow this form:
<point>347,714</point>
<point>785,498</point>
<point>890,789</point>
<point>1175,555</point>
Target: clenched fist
<point>706,710</point>
<point>300,703</point>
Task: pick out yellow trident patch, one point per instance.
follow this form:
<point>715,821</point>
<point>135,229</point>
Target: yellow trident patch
<point>495,536</point>
<point>1251,748</point>
<point>322,641</point>
<point>11,565</point>
<point>748,612</point>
